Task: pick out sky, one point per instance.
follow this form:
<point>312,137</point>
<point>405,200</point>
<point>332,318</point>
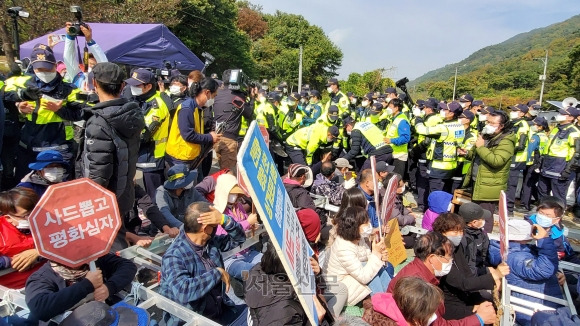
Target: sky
<point>417,36</point>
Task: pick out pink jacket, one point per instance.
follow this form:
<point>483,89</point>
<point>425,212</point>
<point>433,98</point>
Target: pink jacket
<point>428,219</point>
<point>385,304</point>
<point>239,214</point>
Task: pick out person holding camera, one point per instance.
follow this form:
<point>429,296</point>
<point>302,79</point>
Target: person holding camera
<point>230,106</point>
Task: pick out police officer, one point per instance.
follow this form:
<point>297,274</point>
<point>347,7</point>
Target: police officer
<point>151,160</point>
<point>230,106</point>
<point>466,118</point>
<point>266,115</point>
<point>560,155</point>
<point>337,98</point>
<point>302,144</point>
<point>521,129</point>
<point>537,144</point>
<point>363,110</point>
<point>398,135</point>
<point>352,101</point>
<point>476,107</point>
<point>289,117</point>
<point>431,118</point>
<point>50,106</point>
<point>442,153</point>
<point>313,110</point>
<point>368,140</point>
<point>534,109</point>
<point>177,92</point>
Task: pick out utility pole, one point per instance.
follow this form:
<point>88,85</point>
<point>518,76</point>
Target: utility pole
<point>543,77</point>
<point>300,71</point>
<point>455,83</point>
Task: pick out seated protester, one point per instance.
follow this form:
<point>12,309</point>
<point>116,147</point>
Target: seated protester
<point>433,259</point>
<point>227,193</point>
<point>325,186</point>
<point>351,262</point>
<point>192,270</point>
<point>413,302</point>
<point>278,307</point>
<point>17,245</point>
<point>154,220</point>
<point>207,185</point>
<point>345,175</point>
<point>49,168</point>
<point>310,224</point>
<point>475,242</point>
<point>55,288</point>
<point>366,184</point>
<point>439,202</point>
<point>299,178</point>
<point>460,287</point>
<point>532,267</point>
<point>176,194</point>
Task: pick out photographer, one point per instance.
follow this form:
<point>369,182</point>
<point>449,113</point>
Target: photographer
<point>231,104</point>
<point>71,59</point>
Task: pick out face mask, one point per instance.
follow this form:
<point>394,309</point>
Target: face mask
<point>232,198</point>
<point>417,112</point>
<point>482,117</point>
<point>455,239</point>
<point>489,130</point>
<point>463,105</point>
<point>366,231</point>
<point>534,128</point>
<point>332,118</point>
<point>402,189</point>
<point>348,132</point>
<point>265,88</point>
<point>189,186</point>
<point>353,101</point>
<point>388,99</point>
<point>480,226</point>
<point>543,220</point>
<point>209,102</point>
<point>54,175</point>
<point>432,319</point>
<point>561,118</point>
<point>46,77</point>
<point>175,90</point>
<point>302,100</point>
<point>445,268</point>
<point>329,90</point>
<point>365,103</point>
<point>443,114</point>
<point>23,225</point>
<point>136,91</point>
<point>291,103</point>
<point>380,185</point>
<point>285,90</point>
<point>514,115</point>
<point>449,207</point>
<point>261,99</point>
<point>389,111</point>
<point>330,140</point>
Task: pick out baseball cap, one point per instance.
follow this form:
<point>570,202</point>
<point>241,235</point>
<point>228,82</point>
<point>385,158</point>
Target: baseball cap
<point>519,230</point>
<point>45,158</point>
<point>390,90</point>
<point>141,76</point>
<point>108,73</point>
<point>472,211</point>
<point>377,107</point>
<point>310,223</point>
<point>304,94</point>
<point>519,107</point>
<point>333,109</point>
<point>294,96</point>
<point>369,96</point>
<point>42,57</point>
<point>342,163</point>
<point>541,121</point>
<point>382,166</point>
<point>315,93</point>
<point>430,104</point>
<point>467,115</point>
<point>274,96</point>
<point>532,102</point>
<point>454,107</point>
<point>466,98</point>
<point>334,131</point>
<point>477,103</point>
<point>570,111</point>
<point>332,81</point>
<point>420,103</point>
<point>487,110</point>
<point>295,168</point>
<point>179,176</point>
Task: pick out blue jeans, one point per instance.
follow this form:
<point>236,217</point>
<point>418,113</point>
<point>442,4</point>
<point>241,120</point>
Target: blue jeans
<point>380,282</point>
<point>239,263</point>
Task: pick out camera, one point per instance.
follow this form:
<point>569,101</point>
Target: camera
<point>75,29</point>
<point>402,83</point>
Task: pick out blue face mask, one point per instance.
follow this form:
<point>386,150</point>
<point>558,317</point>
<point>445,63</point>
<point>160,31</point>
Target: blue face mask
<point>543,220</point>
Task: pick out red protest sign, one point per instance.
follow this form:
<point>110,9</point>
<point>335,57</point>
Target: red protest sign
<point>503,229</point>
<point>75,222</point>
<point>389,199</point>
<point>265,134</point>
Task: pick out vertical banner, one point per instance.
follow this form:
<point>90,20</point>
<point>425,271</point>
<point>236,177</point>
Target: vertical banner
<point>264,185</point>
<point>394,243</point>
<point>503,249</point>
<point>376,193</point>
<point>389,199</point>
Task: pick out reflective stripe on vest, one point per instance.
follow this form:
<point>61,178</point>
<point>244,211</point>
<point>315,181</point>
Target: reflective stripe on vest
<point>563,148</point>
<point>158,113</point>
<point>443,151</point>
<point>393,132</point>
<point>178,147</point>
<point>372,134</point>
<point>43,116</point>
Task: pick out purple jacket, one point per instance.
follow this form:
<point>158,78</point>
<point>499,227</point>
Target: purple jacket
<point>428,219</point>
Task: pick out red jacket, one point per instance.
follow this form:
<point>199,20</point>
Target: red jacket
<point>418,269</point>
<point>13,242</point>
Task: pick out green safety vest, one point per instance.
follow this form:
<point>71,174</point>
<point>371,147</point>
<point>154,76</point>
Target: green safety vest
<point>431,121</point>
<point>393,132</point>
<point>372,133</point>
<point>263,110</point>
<point>563,148</point>
<point>523,128</point>
<point>543,142</point>
<point>342,104</point>
<point>159,112</point>
<point>443,151</point>
<point>467,144</point>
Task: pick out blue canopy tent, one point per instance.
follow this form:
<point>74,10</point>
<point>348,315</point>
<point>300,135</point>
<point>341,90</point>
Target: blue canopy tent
<point>142,45</point>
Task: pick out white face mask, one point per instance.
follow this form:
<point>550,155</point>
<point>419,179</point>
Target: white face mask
<point>463,105</point>
<point>348,132</point>
<point>514,115</point>
<point>534,128</point>
<point>209,102</point>
<point>389,111</point>
<point>23,225</point>
<point>445,268</point>
<point>175,89</point>
<point>285,90</point>
<point>46,77</point>
<point>432,319</point>
<point>329,90</point>
<point>380,185</point>
<point>417,112</point>
<point>330,140</point>
<point>353,101</point>
<point>365,103</point>
<point>543,220</point>
<point>302,100</point>
<point>482,117</point>
<point>443,114</point>
<point>189,186</point>
<point>561,118</point>
<point>366,231</point>
<point>489,130</point>
<point>54,175</point>
<point>232,198</point>
<point>455,239</point>
<point>261,99</point>
<point>291,103</point>
<point>136,91</point>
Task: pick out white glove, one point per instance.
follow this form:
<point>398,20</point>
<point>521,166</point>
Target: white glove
<point>349,183</point>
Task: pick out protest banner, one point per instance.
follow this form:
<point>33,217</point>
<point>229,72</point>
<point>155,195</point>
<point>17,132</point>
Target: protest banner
<point>376,193</point>
<point>389,199</point>
<point>394,243</point>
<point>75,222</point>
<point>265,186</point>
<point>503,227</point>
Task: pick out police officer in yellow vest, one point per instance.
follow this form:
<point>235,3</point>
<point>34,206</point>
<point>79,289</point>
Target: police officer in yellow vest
<point>368,140</point>
<point>466,101</point>
<point>338,98</point>
<point>302,144</point>
<point>398,135</point>
<point>289,117</point>
<point>151,160</point>
<point>442,153</point>
<point>331,118</point>
<point>431,118</point>
<point>561,155</point>
<point>521,129</point>
<point>466,118</point>
<point>187,137</point>
<point>538,141</point>
<point>50,106</point>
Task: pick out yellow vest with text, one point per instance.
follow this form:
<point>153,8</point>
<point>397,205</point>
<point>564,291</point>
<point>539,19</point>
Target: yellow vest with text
<point>523,128</point>
<point>263,110</point>
<point>393,132</point>
<point>563,148</point>
<point>443,151</point>
<point>431,121</point>
<point>372,133</point>
<point>160,113</point>
<point>178,147</point>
